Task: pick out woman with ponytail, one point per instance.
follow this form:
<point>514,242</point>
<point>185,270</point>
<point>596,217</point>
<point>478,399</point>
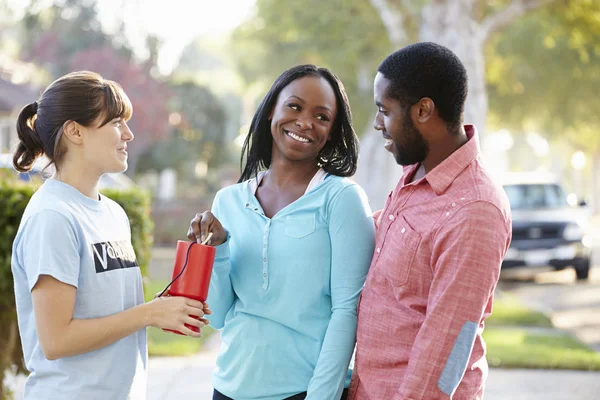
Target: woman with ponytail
<point>78,286</point>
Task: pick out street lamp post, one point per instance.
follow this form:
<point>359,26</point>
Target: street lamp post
<point>578,161</point>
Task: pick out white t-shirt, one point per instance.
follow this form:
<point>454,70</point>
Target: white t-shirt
<point>85,243</point>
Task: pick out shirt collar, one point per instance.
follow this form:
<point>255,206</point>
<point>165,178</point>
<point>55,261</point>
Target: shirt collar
<point>446,172</point>
<point>254,183</point>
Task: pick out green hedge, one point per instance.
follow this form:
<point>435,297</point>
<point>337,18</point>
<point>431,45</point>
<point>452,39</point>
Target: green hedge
<point>137,205</point>
<point>13,199</point>
<point>14,196</point>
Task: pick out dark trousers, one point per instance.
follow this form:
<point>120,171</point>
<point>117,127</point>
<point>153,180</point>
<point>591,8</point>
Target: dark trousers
<point>300,396</point>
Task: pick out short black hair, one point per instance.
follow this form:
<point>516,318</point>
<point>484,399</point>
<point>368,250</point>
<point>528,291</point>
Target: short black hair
<point>340,154</point>
<point>431,70</point>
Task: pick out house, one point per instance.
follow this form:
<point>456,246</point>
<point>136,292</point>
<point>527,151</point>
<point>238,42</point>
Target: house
<point>13,98</point>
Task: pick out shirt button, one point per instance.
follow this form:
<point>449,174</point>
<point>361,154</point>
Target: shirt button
<point>265,275</point>
<point>265,246</point>
<point>378,250</point>
<point>391,217</point>
<point>453,204</point>
<point>265,259</point>
<point>447,214</point>
<point>403,230</point>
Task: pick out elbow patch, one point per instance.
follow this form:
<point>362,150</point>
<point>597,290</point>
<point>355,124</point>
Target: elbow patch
<point>456,364</point>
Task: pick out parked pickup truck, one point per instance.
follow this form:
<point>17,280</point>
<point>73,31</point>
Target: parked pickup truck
<point>548,230</point>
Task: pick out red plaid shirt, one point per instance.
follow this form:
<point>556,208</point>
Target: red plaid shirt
<point>440,242</point>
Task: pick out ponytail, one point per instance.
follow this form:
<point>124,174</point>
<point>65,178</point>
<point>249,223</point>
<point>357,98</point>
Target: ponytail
<point>30,145</point>
<point>82,96</point>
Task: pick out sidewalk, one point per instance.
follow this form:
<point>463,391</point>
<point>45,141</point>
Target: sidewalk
<point>184,377</point>
<point>189,377</point>
<point>170,378</point>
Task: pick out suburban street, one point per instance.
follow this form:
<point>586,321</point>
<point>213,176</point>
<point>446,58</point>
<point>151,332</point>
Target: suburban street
<point>573,305</point>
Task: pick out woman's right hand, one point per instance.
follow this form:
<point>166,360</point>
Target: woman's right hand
<point>175,312</point>
<point>204,223</point>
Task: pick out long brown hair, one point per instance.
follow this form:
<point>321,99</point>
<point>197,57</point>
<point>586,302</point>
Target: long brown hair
<point>83,97</point>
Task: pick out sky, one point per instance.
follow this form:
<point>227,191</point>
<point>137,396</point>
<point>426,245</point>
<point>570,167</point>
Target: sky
<point>176,22</point>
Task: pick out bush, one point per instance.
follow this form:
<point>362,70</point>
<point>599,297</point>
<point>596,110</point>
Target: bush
<point>14,196</point>
<point>172,218</point>
<point>137,206</point>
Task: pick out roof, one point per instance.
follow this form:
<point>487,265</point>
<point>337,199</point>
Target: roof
<point>15,96</point>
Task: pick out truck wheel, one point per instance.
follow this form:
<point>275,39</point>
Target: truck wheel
<point>582,269</point>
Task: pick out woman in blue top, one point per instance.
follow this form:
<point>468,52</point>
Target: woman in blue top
<point>296,247</point>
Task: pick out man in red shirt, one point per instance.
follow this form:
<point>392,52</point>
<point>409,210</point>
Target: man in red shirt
<point>440,240</point>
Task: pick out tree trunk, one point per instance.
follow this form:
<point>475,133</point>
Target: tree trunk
<point>596,183</point>
<point>450,24</point>
<point>377,171</point>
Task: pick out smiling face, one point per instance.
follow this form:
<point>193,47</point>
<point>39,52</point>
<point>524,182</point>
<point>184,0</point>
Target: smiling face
<point>403,138</point>
<point>105,148</point>
<point>302,119</point>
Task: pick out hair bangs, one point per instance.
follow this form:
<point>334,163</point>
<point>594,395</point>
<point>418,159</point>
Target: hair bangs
<point>116,103</point>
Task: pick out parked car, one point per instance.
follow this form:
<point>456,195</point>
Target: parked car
<point>39,170</point>
<point>548,230</point>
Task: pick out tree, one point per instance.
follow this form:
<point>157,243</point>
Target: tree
<point>209,92</point>
<point>339,33</point>
<point>51,35</point>
<point>465,27</point>
<point>68,36</point>
<point>148,96</point>
<point>560,98</point>
<point>343,35</point>
<point>197,131</point>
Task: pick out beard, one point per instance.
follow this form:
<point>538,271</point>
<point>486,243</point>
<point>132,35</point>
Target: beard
<point>414,148</point>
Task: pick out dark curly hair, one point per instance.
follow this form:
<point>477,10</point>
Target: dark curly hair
<point>430,70</point>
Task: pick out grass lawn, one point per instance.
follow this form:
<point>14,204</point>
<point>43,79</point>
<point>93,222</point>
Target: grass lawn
<point>518,348</point>
<point>510,344</point>
<point>508,310</point>
<point>162,343</point>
